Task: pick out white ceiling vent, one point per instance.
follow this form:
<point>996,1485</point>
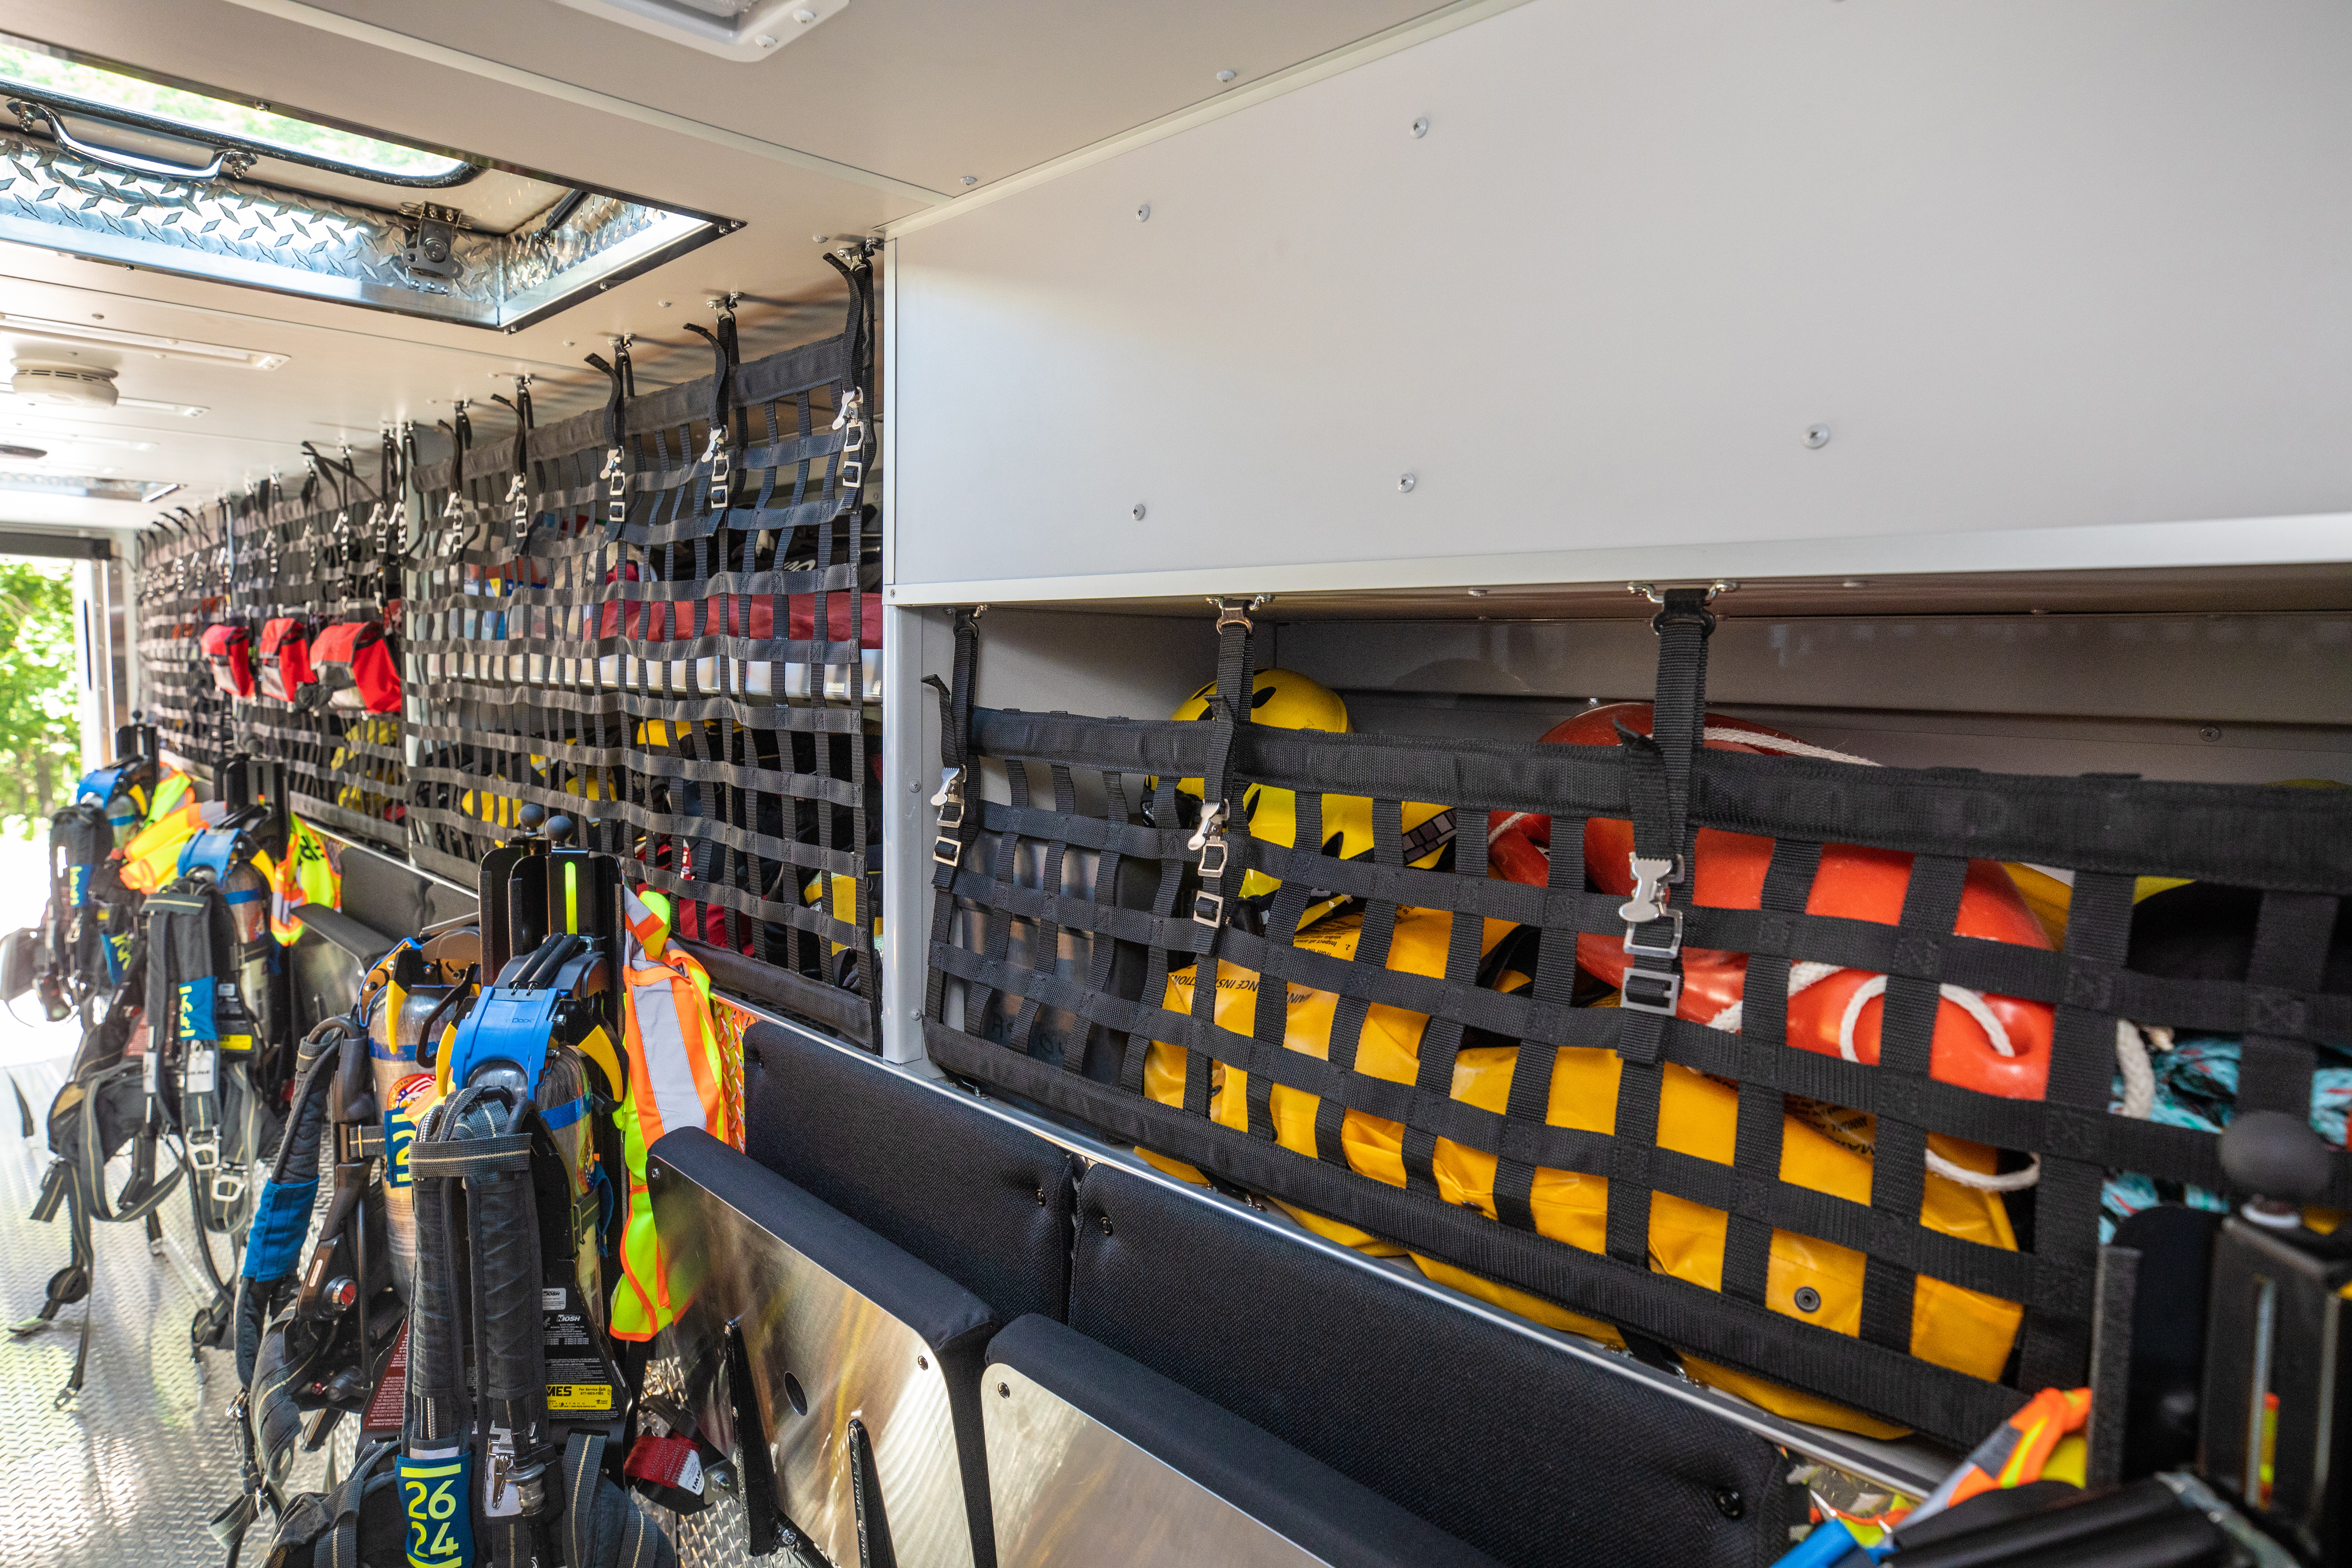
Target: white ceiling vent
<point>69,383</point>
<point>736,30</point>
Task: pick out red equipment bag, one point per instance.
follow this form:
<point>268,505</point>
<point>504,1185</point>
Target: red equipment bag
<point>226,648</point>
<point>353,665</point>
<point>284,657</point>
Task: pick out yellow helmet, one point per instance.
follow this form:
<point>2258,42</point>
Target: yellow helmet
<point>1290,700</point>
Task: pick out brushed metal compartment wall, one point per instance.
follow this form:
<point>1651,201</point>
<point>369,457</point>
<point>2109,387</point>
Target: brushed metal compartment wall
<point>2076,268</point>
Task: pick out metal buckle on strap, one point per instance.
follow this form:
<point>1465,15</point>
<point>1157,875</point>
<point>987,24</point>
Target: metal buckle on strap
<point>229,1185</point>
<point>948,848</point>
<point>1651,991</point>
<point>1209,838</point>
<point>616,485</point>
<point>519,500</point>
<point>716,456</point>
<point>354,1143</point>
<point>204,1151</point>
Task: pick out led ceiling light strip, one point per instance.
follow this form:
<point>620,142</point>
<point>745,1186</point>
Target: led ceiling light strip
<point>14,324</point>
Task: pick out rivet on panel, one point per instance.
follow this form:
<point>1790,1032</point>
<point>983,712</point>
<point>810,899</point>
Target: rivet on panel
<point>1421,126</point>
<point>1004,1391</point>
<point>1138,509</point>
<point>2209,734</point>
<point>1817,436</point>
<point>1227,75</point>
<point>968,179</point>
<point>1808,1298</point>
<point>1405,483</point>
<point>1143,212</point>
<point>922,1363</point>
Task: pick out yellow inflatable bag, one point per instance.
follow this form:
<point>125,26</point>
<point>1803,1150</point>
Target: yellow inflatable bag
<point>1964,1330</point>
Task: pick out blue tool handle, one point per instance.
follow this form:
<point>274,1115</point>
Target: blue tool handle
<point>1829,1541</point>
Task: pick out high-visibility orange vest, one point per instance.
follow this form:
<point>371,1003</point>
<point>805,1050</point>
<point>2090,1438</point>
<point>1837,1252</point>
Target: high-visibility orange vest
<point>677,1078</point>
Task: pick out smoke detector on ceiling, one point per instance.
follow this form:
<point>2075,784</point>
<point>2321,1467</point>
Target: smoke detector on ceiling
<point>83,386</point>
<point>735,29</point>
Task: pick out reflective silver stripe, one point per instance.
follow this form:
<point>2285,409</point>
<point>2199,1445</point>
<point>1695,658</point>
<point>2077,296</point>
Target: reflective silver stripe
<point>677,1102</point>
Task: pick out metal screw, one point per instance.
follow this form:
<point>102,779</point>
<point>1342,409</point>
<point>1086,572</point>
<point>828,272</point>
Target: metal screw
<point>1855,582</point>
<point>1227,75</point>
<point>766,40</point>
<point>922,1363</point>
<point>1405,483</point>
<point>1421,127</point>
<point>1808,1298</point>
<point>2209,734</point>
<point>1143,212</point>
<point>1004,1391</point>
<point>971,179</point>
<point>913,787</point>
<point>1138,509</point>
<point>1817,436</point>
<point>1479,593</point>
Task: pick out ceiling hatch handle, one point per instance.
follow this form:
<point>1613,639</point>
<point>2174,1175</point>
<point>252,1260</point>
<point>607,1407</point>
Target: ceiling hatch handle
<point>30,112</point>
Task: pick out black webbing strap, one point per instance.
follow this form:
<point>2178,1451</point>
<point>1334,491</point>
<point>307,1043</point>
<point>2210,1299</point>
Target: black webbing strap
<point>1529,1105</point>
<point>2056,1346</point>
<point>519,511</point>
<point>1440,1039</point>
<point>2291,932</point>
<point>1136,1053</point>
<point>1763,1033</point>
<point>1223,837</point>
<point>1658,770</point>
<point>719,453</point>
<point>1931,905</point>
<point>958,824</point>
<point>615,472</point>
<point>1270,1024</point>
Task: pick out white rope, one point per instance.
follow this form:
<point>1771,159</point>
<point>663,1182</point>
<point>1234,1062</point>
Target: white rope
<point>1782,744</point>
<point>1803,975</point>
<point>1968,1001</point>
<point>2011,1182</point>
<point>2132,1043</point>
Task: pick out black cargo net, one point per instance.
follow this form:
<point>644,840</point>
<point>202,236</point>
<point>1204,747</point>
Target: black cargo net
<point>695,681</point>
<point>324,556</point>
<point>183,587</point>
<point>1072,913</point>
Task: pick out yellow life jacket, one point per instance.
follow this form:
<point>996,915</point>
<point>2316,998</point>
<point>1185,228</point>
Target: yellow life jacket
<point>1965,1330</point>
<point>676,1078</point>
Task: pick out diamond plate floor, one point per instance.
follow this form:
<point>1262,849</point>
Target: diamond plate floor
<point>129,1472</point>
<point>126,1475</point>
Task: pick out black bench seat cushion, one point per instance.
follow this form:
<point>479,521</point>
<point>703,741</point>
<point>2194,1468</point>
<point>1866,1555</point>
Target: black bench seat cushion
<point>1508,1444</point>
<point>1298,1498</point>
<point>985,1203</point>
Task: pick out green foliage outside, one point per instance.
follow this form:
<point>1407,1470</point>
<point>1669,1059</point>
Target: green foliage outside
<point>40,728</point>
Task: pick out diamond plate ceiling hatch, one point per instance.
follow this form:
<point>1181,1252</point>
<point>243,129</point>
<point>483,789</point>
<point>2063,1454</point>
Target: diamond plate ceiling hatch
<point>123,166</point>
